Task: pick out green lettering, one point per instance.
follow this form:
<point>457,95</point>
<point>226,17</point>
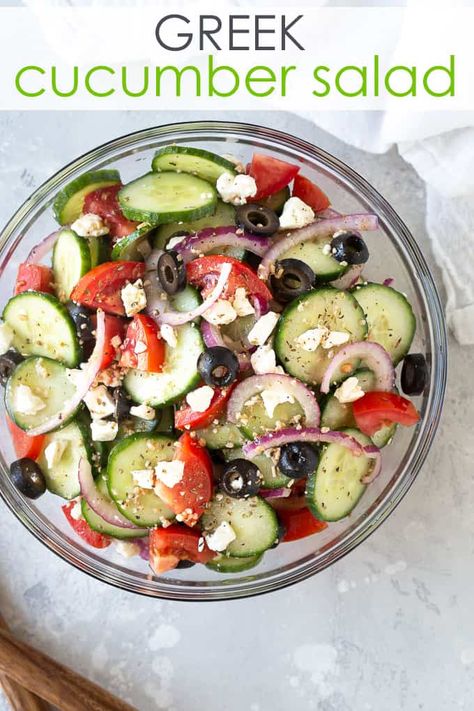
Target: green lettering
<point>358,71</point>
<point>178,73</point>
<point>19,76</point>
<point>55,86</point>
<point>212,91</point>
<point>284,73</point>
<point>251,78</point>
<point>439,68</point>
<point>87,81</point>
<point>326,84</point>
<point>411,71</point>
<point>142,91</point>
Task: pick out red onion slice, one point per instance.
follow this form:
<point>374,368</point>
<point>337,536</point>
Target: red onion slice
<point>328,214</point>
<point>349,278</point>
<point>88,375</point>
<point>216,237</point>
<point>281,493</point>
<point>388,282</point>
<point>212,337</point>
<point>373,355</point>
<point>306,434</point>
<point>97,501</point>
<point>42,249</point>
<point>317,229</point>
<point>254,385</point>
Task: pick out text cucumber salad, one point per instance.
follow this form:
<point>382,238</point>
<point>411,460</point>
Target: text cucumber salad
<point>203,373</point>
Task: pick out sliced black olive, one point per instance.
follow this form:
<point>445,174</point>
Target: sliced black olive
<point>241,478</point>
<point>8,363</point>
<point>349,247</point>
<point>257,219</point>
<point>171,272</point>
<point>28,478</point>
<point>297,460</point>
<point>185,564</point>
<point>414,374</point>
<point>291,279</point>
<point>84,326</point>
<point>218,366</point>
<point>122,404</point>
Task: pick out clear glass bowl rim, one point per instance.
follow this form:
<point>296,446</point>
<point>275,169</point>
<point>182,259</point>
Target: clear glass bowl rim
<point>119,577</point>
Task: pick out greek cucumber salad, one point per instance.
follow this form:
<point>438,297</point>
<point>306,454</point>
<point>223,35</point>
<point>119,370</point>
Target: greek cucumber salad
<point>194,362</point>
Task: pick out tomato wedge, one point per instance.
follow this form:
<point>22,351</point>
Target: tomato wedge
<point>36,277</point>
<point>187,418</point>
<point>310,193</point>
<point>205,271</point>
<point>104,202</point>
<point>23,443</point>
<point>377,409</point>
<point>100,288</point>
<point>189,496</point>
<point>83,530</point>
<point>143,348</point>
<point>114,331</point>
<point>299,523</point>
<point>170,545</point>
<point>270,174</point>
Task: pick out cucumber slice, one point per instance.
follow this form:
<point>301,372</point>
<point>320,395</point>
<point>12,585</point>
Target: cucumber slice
<point>254,522</point>
<point>228,564</point>
<point>182,159</point>
<point>99,247</point>
<point>62,479</point>
<point>334,309</point>
<point>48,380</point>
<point>163,422</point>
<point>98,524</point>
<point>335,488</point>
<point>68,203</point>
<point>390,318</point>
<point>272,477</point>
<point>128,248</point>
<point>71,260</point>
<point>224,436</point>
<point>42,326</point>
<point>186,300</point>
<point>167,197</point>
<point>142,450</point>
<point>276,201</point>
<point>178,377</point>
<point>255,421</point>
<point>323,265</point>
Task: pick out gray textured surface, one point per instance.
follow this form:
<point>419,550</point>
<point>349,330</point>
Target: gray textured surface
<point>389,627</point>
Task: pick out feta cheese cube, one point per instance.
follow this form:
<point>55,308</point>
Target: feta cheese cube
<point>76,511</point>
<point>171,244</point>
<point>90,225</point>
<point>220,313</point>
<point>296,214</point>
<point>170,473</point>
<point>200,399</point>
<point>263,361</point>
<point>311,339</point>
<point>236,188</point>
<point>133,298</point>
<point>140,347</point>
<point>335,338</point>
<point>144,478</point>
<point>272,397</point>
<point>54,451</point>
<point>168,334</point>
<point>263,329</point>
<point>104,430</point>
<point>326,250</point>
<point>6,337</point>
<point>349,391</point>
<point>241,304</point>
<point>127,549</point>
<point>221,537</point>
<point>99,402</point>
<point>144,412</point>
<point>26,402</point>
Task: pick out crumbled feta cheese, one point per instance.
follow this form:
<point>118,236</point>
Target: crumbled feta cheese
<point>144,412</point>
<point>311,339</point>
<point>170,473</point>
<point>127,549</point>
<point>241,304</point>
<point>90,225</point>
<point>220,313</point>
<point>335,338</point>
<point>104,430</point>
<point>263,361</point>
<point>263,329</point>
<point>296,213</point>
<point>140,347</point>
<point>54,451</point>
<point>239,166</point>
<point>26,402</point>
<point>6,337</point>
<point>221,537</point>
<point>99,402</point>
<point>236,188</point>
<point>173,241</point>
<point>168,334</point>
<point>75,511</point>
<point>200,399</point>
<point>145,478</point>
<point>326,250</point>
<point>133,298</point>
<point>349,391</point>
<point>272,397</point>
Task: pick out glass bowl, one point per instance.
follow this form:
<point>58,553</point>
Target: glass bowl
<point>394,253</point>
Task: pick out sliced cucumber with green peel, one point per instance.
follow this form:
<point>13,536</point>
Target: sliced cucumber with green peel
<point>272,477</point>
<point>223,435</point>
<point>42,326</point>
<point>159,198</point>
<point>99,247</point>
<point>48,380</point>
<point>336,487</point>
<point>71,260</point>
<point>97,523</point>
<point>390,318</point>
<point>253,521</point>
<point>324,307</point>
<point>68,204</point>
<point>254,419</point>
<point>196,161</point>
<point>186,300</point>
<point>62,478</point>
<point>128,248</point>
<point>163,423</point>
<point>323,265</point>
<point>142,450</point>
<point>179,374</point>
<point>228,564</point>
<point>276,201</point>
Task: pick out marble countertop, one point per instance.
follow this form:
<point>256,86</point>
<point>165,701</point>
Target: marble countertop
<point>388,627</point>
